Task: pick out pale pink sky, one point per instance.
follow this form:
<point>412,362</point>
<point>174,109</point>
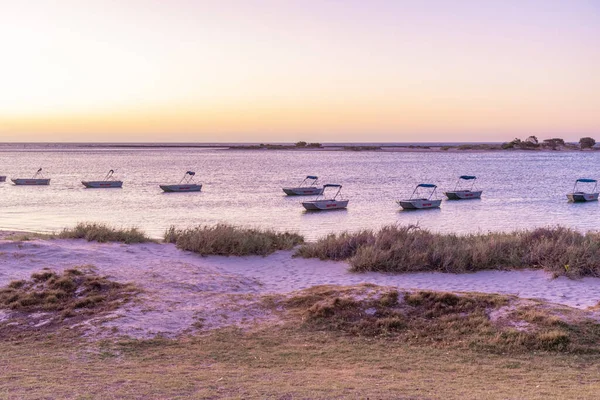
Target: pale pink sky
<point>324,70</point>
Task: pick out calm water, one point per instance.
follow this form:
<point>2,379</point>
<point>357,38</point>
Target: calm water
<point>521,189</point>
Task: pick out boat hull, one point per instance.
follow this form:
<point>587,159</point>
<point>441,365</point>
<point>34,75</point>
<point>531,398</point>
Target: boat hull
<point>31,182</point>
<point>303,191</point>
<point>180,188</point>
<point>322,205</point>
<point>419,204</point>
<point>102,184</point>
<point>463,195</point>
<point>580,197</point>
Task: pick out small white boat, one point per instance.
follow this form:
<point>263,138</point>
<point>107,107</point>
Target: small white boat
<point>418,203</point>
<point>579,196</point>
<point>2,179</point>
<point>107,182</point>
<point>307,187</point>
<point>320,204</point>
<point>185,185</point>
<point>35,181</point>
<point>464,194</point>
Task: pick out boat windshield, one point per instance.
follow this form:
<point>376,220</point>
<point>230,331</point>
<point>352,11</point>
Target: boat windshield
<point>465,178</point>
<point>325,187</point>
<point>584,180</point>
<point>423,185</point>
<point>312,180</point>
<point>187,177</point>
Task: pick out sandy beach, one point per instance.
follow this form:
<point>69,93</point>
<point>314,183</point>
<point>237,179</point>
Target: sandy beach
<point>183,292</point>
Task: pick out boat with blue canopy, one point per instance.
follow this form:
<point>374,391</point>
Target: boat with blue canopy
<point>308,187</point>
<point>185,185</point>
<point>321,203</point>
<point>461,192</point>
<point>108,182</point>
<point>579,196</point>
<point>419,202</point>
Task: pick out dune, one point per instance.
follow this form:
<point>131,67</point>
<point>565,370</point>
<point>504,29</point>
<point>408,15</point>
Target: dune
<point>183,292</point>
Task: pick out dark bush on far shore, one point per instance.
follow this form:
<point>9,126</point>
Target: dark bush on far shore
<point>396,249</point>
<point>587,142</point>
<point>227,240</point>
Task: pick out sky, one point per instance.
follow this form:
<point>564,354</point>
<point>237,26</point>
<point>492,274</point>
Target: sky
<point>282,71</point>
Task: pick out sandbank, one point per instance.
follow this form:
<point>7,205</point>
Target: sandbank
<point>184,292</point>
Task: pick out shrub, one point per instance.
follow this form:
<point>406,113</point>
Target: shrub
<point>223,239</point>
<point>334,246</point>
<point>531,143</point>
<point>561,251</point>
<point>587,142</point>
<point>532,139</point>
<point>103,233</point>
<point>553,143</point>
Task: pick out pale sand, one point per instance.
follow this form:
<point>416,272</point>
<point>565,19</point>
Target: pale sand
<point>184,292</point>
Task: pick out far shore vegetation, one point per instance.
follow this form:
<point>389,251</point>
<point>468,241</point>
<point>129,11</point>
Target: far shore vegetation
<point>530,143</point>
<point>262,146</point>
<point>401,249</point>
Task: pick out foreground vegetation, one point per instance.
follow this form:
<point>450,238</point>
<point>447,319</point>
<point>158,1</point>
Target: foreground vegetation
<point>228,240</point>
<point>368,342</point>
<point>471,321</point>
<point>283,364</point>
<point>97,232</point>
<point>50,300</point>
<point>561,251</point>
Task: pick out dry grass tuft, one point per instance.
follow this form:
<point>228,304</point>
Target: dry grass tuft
<point>441,319</point>
<point>26,236</point>
<point>102,233</point>
<point>48,291</point>
<point>561,251</point>
<point>227,240</point>
<point>338,246</point>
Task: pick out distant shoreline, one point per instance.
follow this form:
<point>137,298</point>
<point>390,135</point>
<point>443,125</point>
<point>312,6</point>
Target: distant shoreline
<point>411,148</point>
<point>355,147</point>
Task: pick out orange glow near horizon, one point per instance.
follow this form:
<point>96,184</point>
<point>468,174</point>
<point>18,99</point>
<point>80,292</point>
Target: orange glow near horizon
<point>248,71</point>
